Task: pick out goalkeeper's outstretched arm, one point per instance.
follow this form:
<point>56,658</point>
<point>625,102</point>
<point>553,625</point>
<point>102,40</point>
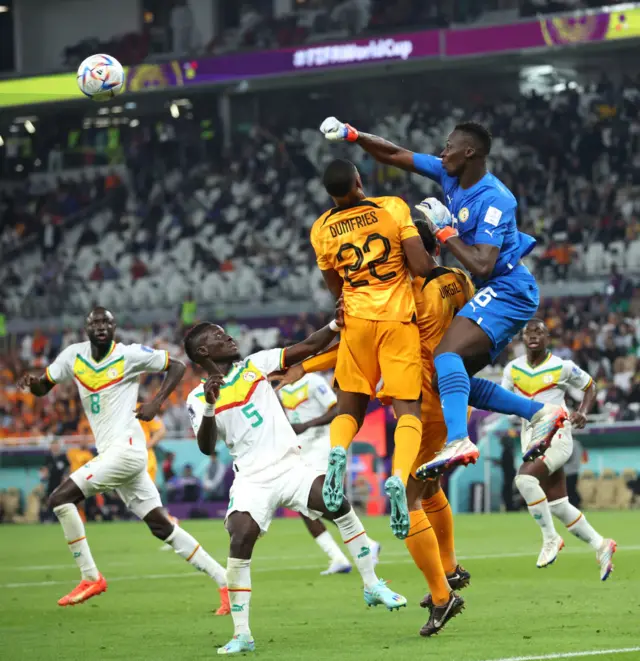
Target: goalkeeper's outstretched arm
<point>386,152</point>
<point>382,150</point>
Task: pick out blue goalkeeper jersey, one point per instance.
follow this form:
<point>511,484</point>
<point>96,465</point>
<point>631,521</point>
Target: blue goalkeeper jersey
<point>484,213</point>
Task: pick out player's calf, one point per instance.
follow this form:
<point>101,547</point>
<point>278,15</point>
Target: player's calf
<point>360,547</point>
<point>188,548</point>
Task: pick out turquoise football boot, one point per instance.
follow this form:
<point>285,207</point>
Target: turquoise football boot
<point>239,644</point>
<point>333,487</point>
<point>399,509</point>
<point>381,594</point>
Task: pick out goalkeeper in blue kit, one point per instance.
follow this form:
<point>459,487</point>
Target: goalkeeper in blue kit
<point>477,224</point>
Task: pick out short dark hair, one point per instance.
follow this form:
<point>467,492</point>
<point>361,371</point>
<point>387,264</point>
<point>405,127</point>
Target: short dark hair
<point>427,236</point>
<point>339,177</point>
<point>479,133</point>
<point>536,320</point>
<point>193,334</point>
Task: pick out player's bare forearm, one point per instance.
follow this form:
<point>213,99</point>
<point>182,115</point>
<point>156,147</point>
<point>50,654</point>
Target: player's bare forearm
<point>312,345</point>
<point>37,385</point>
<point>323,361</point>
<point>207,435</point>
<point>589,399</point>
<point>479,260</point>
<point>386,152</point>
<point>175,372</point>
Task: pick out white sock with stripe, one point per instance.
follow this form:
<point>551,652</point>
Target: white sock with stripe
<point>73,529</point>
<point>576,522</point>
<point>331,548</point>
<point>188,548</point>
<point>537,503</point>
<point>239,578</point>
<point>355,537</point>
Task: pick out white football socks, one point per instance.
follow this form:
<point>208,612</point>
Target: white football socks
<point>239,579</point>
<point>73,529</point>
<point>331,548</point>
<point>537,503</point>
<point>354,536</point>
<point>576,522</point>
<point>189,549</point>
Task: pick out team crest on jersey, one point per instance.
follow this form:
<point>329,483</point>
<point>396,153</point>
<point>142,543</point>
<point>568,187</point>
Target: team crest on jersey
<point>112,372</point>
<point>548,378</point>
<point>250,376</point>
<point>463,215</point>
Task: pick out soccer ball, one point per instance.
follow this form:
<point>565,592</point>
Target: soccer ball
<point>101,77</point>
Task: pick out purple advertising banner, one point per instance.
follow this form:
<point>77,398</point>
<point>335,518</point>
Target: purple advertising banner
<point>240,66</point>
<point>546,32</point>
<point>554,31</point>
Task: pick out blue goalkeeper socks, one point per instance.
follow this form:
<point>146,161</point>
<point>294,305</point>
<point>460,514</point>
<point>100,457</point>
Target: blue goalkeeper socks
<point>453,384</point>
<point>489,396</point>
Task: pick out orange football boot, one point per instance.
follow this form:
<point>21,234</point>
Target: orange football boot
<point>225,606</point>
<point>83,591</point>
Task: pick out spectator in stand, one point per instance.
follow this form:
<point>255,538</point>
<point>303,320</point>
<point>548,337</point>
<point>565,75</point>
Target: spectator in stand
<point>168,473</point>
<point>97,275</point>
<point>138,269</point>
<point>182,28</point>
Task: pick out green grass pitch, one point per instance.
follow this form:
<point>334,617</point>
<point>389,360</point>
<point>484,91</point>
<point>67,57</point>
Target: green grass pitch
<point>158,608</point>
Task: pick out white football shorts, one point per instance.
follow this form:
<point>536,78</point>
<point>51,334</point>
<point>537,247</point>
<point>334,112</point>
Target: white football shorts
<point>123,468</point>
<point>314,449</point>
<point>285,484</point>
<point>558,452</point>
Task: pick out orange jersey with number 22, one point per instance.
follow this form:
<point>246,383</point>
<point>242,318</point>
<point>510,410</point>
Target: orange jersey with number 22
<point>363,243</point>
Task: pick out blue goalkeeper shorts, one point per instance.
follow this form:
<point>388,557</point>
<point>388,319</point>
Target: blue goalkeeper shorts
<point>503,306</point>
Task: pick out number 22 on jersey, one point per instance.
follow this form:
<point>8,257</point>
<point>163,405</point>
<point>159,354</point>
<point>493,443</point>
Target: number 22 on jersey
<point>356,267</point>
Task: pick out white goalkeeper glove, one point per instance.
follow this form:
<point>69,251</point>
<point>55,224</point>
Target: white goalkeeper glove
<point>335,131</point>
<point>439,218</point>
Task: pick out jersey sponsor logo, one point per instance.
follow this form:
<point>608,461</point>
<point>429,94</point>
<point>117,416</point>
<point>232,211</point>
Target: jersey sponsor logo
<point>489,232</point>
<point>575,370</point>
<point>112,373</point>
<point>463,215</point>
<point>146,348</point>
<point>322,390</point>
<point>493,216</point>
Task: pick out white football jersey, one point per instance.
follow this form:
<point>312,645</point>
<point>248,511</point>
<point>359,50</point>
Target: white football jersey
<point>249,417</point>
<point>109,388</point>
<point>547,382</point>
<point>305,400</point>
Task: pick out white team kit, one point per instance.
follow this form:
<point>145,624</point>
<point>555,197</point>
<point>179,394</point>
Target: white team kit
<point>547,383</point>
<point>269,470</point>
<point>109,392</point>
<point>304,400</point>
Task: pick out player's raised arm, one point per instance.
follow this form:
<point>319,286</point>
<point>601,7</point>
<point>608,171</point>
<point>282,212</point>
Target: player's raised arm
<point>207,431</point>
<point>312,345</point>
<point>380,149</point>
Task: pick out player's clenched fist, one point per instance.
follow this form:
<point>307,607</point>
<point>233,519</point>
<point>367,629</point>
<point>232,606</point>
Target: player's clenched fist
<point>334,130</point>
